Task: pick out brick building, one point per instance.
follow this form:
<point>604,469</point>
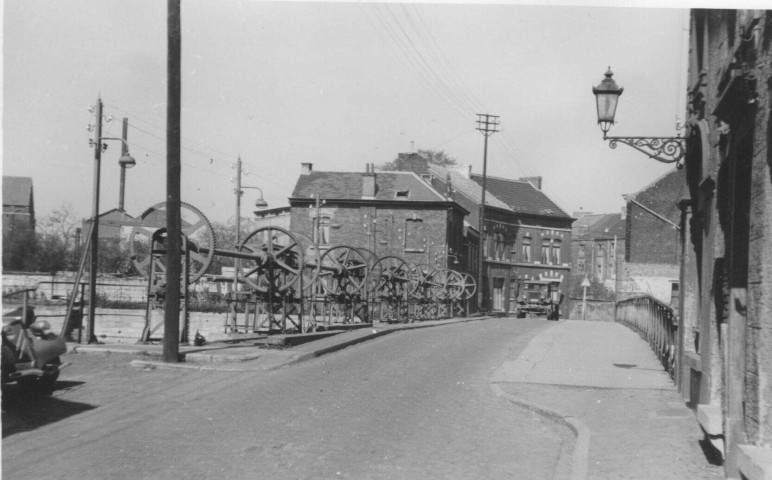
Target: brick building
<point>388,213</point>
<point>526,234</point>
<point>725,329</point>
<point>18,204</point>
<point>597,253</point>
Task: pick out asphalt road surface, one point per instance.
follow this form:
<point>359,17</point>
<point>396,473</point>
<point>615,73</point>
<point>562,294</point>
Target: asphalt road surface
<point>411,405</point>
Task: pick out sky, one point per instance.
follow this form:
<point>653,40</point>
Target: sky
<point>339,85</point>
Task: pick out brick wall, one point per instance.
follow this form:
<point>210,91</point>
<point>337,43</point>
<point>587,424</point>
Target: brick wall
<point>416,233</point>
<point>652,236</point>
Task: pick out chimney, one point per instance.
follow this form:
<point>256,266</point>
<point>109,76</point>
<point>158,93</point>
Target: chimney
<point>465,170</point>
<point>368,182</point>
<point>306,168</point>
<point>449,185</point>
<point>535,181</point>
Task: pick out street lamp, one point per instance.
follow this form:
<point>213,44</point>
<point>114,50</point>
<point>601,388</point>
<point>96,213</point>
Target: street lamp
<point>99,147</point>
<point>126,161</point>
<point>661,149</point>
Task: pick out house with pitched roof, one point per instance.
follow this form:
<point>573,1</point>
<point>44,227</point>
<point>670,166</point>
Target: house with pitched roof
<point>526,234</point>
<point>387,213</point>
<point>18,204</point>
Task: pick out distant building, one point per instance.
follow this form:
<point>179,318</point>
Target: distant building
<point>652,240</point>
<point>387,213</point>
<point>18,204</point>
<point>527,235</point>
<point>272,217</point>
<point>597,251</point>
<point>113,225</point>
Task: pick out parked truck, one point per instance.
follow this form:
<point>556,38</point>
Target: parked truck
<point>537,298</point>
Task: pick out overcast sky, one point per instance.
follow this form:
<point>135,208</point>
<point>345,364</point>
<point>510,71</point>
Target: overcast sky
<point>336,84</point>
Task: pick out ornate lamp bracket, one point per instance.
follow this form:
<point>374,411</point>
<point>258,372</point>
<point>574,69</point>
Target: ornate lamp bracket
<point>661,149</point>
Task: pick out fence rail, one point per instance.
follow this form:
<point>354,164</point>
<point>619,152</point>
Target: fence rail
<point>656,323</point>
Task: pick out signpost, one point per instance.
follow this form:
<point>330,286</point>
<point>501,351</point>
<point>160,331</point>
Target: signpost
<point>585,284</point>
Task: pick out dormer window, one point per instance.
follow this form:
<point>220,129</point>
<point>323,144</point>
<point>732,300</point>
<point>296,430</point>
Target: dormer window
<point>402,194</point>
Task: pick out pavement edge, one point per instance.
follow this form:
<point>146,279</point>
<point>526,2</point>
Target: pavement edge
<point>581,431</point>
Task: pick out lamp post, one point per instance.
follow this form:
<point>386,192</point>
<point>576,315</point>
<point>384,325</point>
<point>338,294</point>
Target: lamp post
<point>259,204</point>
<point>661,149</point>
<point>487,125</point>
<point>126,161</point>
<point>99,147</point>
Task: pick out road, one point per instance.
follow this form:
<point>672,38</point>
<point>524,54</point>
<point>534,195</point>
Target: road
<point>410,405</point>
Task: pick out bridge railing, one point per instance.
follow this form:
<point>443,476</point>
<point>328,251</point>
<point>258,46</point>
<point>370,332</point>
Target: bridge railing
<point>656,323</point>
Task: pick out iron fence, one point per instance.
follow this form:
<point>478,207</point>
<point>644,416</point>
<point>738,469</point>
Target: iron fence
<point>656,323</point>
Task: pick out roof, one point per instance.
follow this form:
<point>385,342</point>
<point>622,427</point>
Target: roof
<point>602,225</point>
<point>662,195</point>
<point>521,196</point>
<point>17,191</point>
<point>467,187</point>
<point>516,195</point>
<point>348,186</point>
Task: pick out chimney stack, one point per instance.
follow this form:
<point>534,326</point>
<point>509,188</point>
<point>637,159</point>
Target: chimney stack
<point>449,185</point>
<point>535,181</point>
<point>306,168</point>
<point>368,182</point>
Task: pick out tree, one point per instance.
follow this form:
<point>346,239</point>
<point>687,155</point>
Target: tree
<point>419,162</point>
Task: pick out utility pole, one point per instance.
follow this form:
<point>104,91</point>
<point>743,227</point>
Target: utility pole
<point>236,263</point>
<point>92,273</point>
<point>171,349</point>
<point>487,124</point>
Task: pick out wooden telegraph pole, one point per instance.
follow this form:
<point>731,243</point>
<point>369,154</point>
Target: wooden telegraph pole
<point>486,124</point>
<point>171,349</point>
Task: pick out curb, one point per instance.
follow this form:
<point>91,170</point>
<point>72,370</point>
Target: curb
<point>581,431</point>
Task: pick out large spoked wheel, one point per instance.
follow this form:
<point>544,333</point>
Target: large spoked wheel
<point>198,233</point>
<point>421,286</point>
<point>343,272</point>
<point>389,279</point>
<point>277,261</point>
<point>461,285</point>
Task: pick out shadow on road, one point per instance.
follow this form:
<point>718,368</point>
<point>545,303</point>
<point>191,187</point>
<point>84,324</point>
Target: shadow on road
<point>24,410</point>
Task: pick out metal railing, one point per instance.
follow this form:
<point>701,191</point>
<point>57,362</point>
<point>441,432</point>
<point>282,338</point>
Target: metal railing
<point>656,323</point>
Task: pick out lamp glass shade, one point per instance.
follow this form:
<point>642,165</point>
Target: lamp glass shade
<point>127,161</point>
<point>606,96</point>
<point>260,203</point>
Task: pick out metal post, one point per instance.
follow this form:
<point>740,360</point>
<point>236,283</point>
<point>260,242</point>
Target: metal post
<point>171,349</point>
<point>236,263</point>
<point>92,273</point>
<point>124,151</point>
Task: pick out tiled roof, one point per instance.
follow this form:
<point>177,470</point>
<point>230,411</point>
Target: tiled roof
<point>466,186</point>
<point>521,196</point>
<point>604,225</point>
<point>17,191</point>
<point>348,186</point>
<point>516,195</point>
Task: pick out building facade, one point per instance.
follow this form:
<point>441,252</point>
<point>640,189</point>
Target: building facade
<point>387,213</point>
<point>18,205</point>
<point>725,329</point>
<point>526,235</point>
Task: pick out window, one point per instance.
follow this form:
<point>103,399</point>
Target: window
<point>499,244</point>
<point>402,194</point>
<point>526,250</point>
<point>414,241</point>
<point>323,234</point>
<point>580,258</point>
<point>545,250</point>
<point>556,244</point>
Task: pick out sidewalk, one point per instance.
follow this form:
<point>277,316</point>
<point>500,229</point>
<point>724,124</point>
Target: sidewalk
<point>604,382</point>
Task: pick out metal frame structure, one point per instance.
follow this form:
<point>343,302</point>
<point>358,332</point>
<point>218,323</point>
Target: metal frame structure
<point>289,285</point>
